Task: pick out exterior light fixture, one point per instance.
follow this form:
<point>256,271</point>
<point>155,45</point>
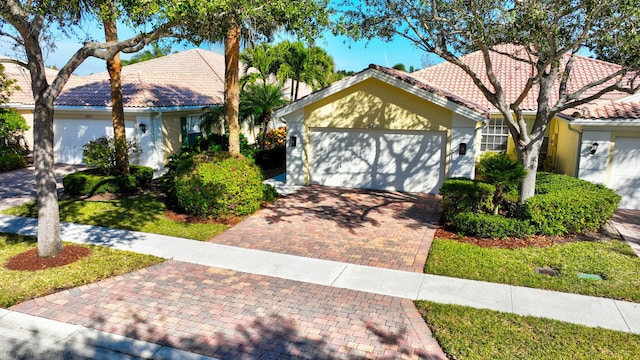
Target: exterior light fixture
<point>593,147</point>
<point>462,149</point>
<point>143,127</point>
<point>293,141</point>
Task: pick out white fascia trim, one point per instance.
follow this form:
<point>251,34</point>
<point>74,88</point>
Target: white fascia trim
<point>607,122</point>
<point>18,106</point>
<point>129,109</point>
<point>391,80</point>
<point>524,112</point>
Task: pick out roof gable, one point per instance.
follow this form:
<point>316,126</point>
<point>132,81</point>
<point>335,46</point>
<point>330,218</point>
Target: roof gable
<point>400,80</point>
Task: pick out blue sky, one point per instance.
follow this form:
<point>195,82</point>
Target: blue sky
<point>347,54</point>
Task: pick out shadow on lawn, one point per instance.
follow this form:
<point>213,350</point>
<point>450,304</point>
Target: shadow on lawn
<point>355,208</point>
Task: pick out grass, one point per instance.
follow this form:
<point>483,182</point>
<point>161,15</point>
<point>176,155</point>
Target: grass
<point>467,333</point>
<point>143,213</point>
<point>614,260</point>
<point>17,286</point>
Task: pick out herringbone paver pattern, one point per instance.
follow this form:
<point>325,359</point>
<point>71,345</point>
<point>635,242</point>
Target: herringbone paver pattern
<point>375,228</point>
<point>233,315</point>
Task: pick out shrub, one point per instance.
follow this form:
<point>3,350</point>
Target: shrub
<point>12,127</point>
<point>464,195</point>
<point>271,158</point>
<point>490,226</point>
<point>92,181</point>
<point>216,185</point>
<point>275,138</point>
<point>101,153</point>
<point>564,205</point>
<point>11,162</point>
<point>502,172</point>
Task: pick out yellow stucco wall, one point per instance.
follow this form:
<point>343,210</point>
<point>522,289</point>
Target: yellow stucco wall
<point>375,104</point>
<point>566,149</point>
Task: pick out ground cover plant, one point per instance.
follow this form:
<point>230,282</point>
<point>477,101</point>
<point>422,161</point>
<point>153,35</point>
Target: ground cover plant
<point>467,333</point>
<point>614,260</point>
<point>102,262</point>
<point>146,213</point>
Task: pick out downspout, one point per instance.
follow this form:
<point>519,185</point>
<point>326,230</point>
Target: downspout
<point>577,152</point>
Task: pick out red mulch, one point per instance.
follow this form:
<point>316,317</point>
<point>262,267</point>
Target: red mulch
<point>30,261</point>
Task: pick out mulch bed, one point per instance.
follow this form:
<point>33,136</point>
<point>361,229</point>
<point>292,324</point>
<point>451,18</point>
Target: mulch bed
<point>605,233</point>
<point>30,261</point>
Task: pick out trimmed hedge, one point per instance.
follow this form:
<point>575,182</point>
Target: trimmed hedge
<point>217,185</point>
<point>490,226</point>
<point>566,205</point>
<point>271,158</point>
<point>461,195</point>
<point>92,181</point>
<point>12,162</point>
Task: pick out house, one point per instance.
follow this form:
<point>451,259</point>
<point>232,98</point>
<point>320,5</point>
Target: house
<point>163,100</point>
<point>386,129</point>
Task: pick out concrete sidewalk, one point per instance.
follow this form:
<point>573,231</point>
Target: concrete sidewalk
<point>577,309</point>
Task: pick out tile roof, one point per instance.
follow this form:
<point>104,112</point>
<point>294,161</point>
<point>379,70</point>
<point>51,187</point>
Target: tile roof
<point>512,74</point>
<point>190,78</point>
<point>408,78</point>
<point>607,110</point>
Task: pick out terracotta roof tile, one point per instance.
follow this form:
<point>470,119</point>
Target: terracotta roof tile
<point>190,78</point>
<point>607,110</point>
<point>512,74</point>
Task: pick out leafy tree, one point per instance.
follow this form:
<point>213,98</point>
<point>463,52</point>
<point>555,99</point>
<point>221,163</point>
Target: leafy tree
<point>27,24</point>
<point>227,21</point>
<point>7,86</point>
<point>258,102</point>
<point>265,61</point>
<point>548,34</point>
<point>311,65</point>
<point>400,66</point>
<point>12,127</point>
<point>154,52</point>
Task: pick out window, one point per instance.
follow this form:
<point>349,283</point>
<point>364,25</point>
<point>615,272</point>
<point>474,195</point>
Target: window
<point>495,135</point>
<point>193,125</point>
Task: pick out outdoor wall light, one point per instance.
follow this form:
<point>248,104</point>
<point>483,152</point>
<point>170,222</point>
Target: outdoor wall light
<point>293,141</point>
<point>462,149</point>
<point>143,127</point>
<point>593,147</point>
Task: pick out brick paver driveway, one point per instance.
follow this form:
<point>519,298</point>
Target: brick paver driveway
<point>376,228</point>
<point>231,315</point>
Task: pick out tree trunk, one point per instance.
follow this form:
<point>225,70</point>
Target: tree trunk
<point>49,241</point>
<point>297,87</point>
<point>529,158</point>
<point>232,87</point>
<point>114,67</point>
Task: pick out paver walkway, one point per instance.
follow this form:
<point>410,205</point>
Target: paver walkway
<point>627,222</point>
<point>375,228</point>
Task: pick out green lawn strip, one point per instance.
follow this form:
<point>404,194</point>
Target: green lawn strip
<point>467,333</point>
<point>17,286</point>
<point>614,260</point>
<point>143,213</point>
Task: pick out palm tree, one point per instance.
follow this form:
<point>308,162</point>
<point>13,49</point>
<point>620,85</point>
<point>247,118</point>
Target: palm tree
<point>265,62</point>
<point>258,102</point>
<point>310,65</point>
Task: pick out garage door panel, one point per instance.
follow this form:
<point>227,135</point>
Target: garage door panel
<point>70,135</point>
<point>625,172</point>
<point>406,161</point>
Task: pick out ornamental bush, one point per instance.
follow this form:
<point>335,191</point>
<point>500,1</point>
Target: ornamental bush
<point>490,226</point>
<point>101,153</point>
<point>92,181</point>
<point>216,185</point>
<point>12,128</point>
<point>566,205</point>
<point>10,162</point>
<point>461,195</point>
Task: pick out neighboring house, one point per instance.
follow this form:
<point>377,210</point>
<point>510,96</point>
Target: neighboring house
<point>163,100</point>
<point>386,129</point>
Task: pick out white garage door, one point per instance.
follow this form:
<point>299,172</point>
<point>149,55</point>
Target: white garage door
<point>71,134</point>
<point>625,172</point>
<point>409,161</point>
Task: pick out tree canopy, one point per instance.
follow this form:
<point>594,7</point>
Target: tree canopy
<point>549,35</point>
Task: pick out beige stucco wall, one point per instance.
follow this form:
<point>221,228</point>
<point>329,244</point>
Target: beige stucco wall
<point>566,149</point>
<point>375,104</point>
<point>28,135</point>
<point>171,134</point>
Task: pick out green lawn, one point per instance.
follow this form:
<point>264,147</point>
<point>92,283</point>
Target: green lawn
<point>614,260</point>
<point>467,333</point>
<point>17,286</point>
<point>143,213</point>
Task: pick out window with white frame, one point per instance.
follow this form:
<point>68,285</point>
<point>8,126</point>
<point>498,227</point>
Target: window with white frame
<point>495,135</point>
<point>193,124</point>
